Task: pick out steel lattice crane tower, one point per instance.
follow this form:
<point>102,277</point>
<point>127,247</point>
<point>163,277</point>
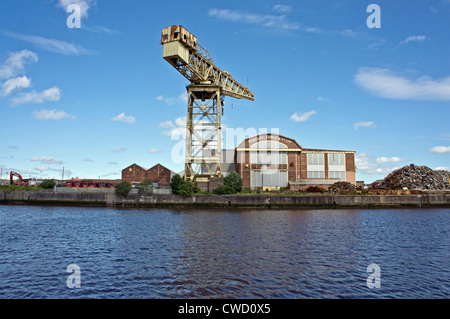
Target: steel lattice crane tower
<point>206,93</point>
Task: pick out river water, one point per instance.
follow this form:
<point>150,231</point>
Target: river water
<point>136,253</point>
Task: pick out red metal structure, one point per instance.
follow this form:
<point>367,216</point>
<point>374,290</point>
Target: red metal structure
<point>20,180</point>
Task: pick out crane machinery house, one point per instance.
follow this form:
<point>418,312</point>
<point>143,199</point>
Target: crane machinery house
<point>177,42</point>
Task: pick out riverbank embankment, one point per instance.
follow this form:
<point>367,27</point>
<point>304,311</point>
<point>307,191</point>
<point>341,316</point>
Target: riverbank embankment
<point>275,201</point>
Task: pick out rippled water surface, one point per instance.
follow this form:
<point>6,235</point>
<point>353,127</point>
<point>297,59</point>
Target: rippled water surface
<point>223,254</point>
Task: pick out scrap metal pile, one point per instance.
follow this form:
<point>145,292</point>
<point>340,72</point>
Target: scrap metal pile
<point>412,177</point>
<point>342,187</point>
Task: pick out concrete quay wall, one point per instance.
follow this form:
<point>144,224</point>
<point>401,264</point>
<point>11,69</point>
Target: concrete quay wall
<point>109,199</point>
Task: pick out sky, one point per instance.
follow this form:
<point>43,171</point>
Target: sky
<point>334,74</point>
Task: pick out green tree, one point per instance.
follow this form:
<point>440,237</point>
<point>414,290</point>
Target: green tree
<point>123,188</point>
<point>186,189</point>
<point>48,184</point>
<point>233,181</point>
<point>224,190</point>
<point>232,184</point>
<point>175,184</point>
<point>145,187</point>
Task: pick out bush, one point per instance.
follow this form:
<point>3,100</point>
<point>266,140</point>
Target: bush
<point>224,190</point>
<point>181,187</point>
<point>186,189</point>
<point>123,188</point>
<point>233,182</point>
<point>48,184</point>
<point>175,184</point>
<point>145,187</point>
<point>246,190</point>
<point>195,188</point>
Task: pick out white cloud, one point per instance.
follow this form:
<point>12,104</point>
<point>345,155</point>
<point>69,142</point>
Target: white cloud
<point>414,38</point>
<point>381,160</point>
<point>384,83</point>
<point>51,115</point>
<point>51,45</point>
<point>15,63</point>
<point>282,8</point>
<point>174,129</point>
<point>302,117</point>
<point>122,117</point>
<point>154,150</point>
<point>182,98</point>
<point>365,164</point>
<point>49,160</point>
<point>442,168</point>
<point>21,82</point>
<point>440,149</point>
<point>51,169</point>
<point>363,124</point>
<point>111,174</point>
<point>265,20</point>
<point>119,150</point>
<point>50,95</point>
<point>313,30</point>
<point>84,5</point>
<point>323,100</point>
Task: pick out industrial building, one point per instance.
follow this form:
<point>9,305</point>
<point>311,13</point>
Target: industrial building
<point>158,174</point>
<point>272,161</point>
<point>269,162</point>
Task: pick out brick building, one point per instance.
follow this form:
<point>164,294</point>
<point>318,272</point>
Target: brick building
<point>159,174</point>
<point>134,174</point>
<point>271,161</point>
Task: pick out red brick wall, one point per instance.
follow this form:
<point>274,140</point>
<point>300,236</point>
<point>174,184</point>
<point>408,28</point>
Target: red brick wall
<point>134,173</point>
<point>160,174</point>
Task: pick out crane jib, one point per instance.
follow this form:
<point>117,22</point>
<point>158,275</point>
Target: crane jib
<point>196,65</point>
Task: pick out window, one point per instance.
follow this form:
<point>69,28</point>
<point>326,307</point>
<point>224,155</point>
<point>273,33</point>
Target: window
<point>336,159</point>
<point>337,175</point>
<point>316,174</point>
<point>268,157</point>
<point>175,35</point>
<point>166,36</point>
<point>315,159</point>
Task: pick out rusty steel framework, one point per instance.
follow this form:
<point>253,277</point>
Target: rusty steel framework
<point>206,94</point>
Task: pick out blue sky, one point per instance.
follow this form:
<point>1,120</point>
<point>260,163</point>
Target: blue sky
<point>98,98</point>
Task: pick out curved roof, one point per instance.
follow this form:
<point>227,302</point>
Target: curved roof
<point>269,137</point>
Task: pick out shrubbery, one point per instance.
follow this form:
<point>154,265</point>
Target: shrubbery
<point>145,187</point>
<point>123,188</point>
<point>181,187</point>
<point>48,184</point>
<point>232,184</point>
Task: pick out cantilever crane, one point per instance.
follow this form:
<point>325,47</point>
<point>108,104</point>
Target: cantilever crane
<point>206,93</point>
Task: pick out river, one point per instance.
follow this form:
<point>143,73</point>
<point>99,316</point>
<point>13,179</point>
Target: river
<point>276,254</point>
